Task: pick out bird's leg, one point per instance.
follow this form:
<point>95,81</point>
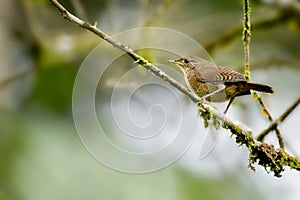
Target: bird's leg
<point>228,105</point>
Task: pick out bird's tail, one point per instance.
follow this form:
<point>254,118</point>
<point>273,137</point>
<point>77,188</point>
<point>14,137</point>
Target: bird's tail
<point>261,87</point>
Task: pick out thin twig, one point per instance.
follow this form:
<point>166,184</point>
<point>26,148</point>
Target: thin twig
<point>279,120</point>
<point>241,132</point>
<point>137,58</point>
<point>267,113</point>
<point>247,38</point>
<point>150,67</point>
<point>246,42</point>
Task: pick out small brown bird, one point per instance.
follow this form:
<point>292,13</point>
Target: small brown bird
<point>215,83</point>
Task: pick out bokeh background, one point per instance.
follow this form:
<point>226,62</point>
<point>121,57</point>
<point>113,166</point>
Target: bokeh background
<point>41,155</point>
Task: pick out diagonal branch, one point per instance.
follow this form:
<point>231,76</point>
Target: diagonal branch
<point>137,58</point>
<point>243,135</point>
<point>279,120</point>
<point>267,113</point>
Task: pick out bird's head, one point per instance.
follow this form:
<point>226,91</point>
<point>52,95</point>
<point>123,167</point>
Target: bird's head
<point>186,63</point>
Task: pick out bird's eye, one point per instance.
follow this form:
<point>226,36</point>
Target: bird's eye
<point>186,61</point>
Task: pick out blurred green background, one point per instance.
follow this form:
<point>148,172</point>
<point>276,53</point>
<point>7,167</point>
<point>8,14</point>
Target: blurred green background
<point>41,156</point>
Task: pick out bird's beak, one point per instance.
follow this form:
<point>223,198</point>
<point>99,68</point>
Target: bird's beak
<point>176,61</point>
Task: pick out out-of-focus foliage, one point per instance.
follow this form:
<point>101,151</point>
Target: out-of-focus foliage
<point>53,88</point>
<point>41,156</point>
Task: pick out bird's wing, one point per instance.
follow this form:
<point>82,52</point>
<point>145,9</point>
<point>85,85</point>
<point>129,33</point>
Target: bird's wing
<point>229,75</point>
<point>220,75</point>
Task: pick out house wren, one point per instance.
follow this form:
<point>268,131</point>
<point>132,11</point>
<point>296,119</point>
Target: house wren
<point>215,83</point>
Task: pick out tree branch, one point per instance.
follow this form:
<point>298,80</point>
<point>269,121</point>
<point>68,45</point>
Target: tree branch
<point>279,120</point>
<point>243,134</point>
<point>247,38</point>
<point>267,113</point>
<point>246,42</point>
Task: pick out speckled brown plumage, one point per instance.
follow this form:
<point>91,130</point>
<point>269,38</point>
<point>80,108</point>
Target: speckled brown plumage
<point>216,83</point>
